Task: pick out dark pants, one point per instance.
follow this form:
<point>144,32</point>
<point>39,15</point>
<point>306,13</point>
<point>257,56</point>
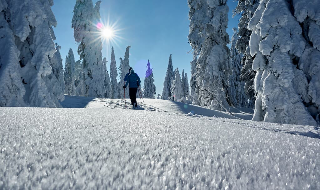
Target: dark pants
<point>133,95</point>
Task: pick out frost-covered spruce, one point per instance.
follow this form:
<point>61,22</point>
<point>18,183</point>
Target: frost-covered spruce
<point>78,79</point>
<point>193,83</point>
<point>85,32</point>
<point>12,89</point>
<point>69,73</point>
<point>107,83</point>
<point>113,77</point>
<point>208,38</point>
<point>31,23</point>
<point>124,69</point>
<point>176,88</point>
<point>308,15</point>
<point>55,81</point>
<point>281,85</point>
<point>149,87</point>
<point>246,8</point>
<point>166,92</point>
<point>236,93</point>
<point>185,84</point>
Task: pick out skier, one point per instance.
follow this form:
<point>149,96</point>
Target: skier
<point>134,82</point>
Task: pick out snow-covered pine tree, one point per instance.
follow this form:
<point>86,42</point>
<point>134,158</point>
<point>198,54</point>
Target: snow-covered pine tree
<point>106,80</point>
<point>90,46</point>
<point>186,86</point>
<point>208,38</point>
<point>12,89</point>
<point>308,16</point>
<point>183,82</point>
<point>149,87</point>
<point>237,96</point>
<point>193,82</point>
<point>246,8</point>
<point>113,76</point>
<point>282,86</point>
<point>31,23</point>
<point>166,93</point>
<point>177,88</point>
<point>55,81</point>
<point>69,73</point>
<point>78,79</point>
<point>124,69</point>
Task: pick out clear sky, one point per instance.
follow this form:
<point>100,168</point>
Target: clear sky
<point>154,30</point>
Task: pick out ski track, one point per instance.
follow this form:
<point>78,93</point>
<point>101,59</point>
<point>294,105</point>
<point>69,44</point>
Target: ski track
<point>113,147</point>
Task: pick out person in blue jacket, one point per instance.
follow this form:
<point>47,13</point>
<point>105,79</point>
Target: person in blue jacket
<point>133,80</point>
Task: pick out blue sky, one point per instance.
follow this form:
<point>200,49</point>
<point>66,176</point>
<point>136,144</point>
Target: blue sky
<point>153,29</point>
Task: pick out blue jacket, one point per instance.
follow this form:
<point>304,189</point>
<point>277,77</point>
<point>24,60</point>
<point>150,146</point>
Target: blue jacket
<point>133,79</point>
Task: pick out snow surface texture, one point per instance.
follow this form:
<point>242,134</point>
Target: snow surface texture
<point>141,149</point>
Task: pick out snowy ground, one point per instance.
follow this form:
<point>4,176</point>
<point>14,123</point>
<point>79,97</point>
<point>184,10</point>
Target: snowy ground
<point>160,146</point>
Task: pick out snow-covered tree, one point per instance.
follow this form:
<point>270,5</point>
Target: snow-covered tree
<point>78,79</point>
<point>124,69</point>
<point>308,16</point>
<point>113,77</point>
<point>177,88</point>
<point>69,73</point>
<point>12,89</point>
<point>185,84</point>
<point>193,82</point>
<point>149,87</point>
<point>246,8</point>
<point>107,84</point>
<point>236,94</point>
<point>208,38</point>
<point>90,46</point>
<point>31,24</point>
<point>55,81</point>
<point>166,93</point>
<point>285,81</point>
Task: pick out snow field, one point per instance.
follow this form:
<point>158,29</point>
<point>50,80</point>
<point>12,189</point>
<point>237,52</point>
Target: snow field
<point>141,149</point>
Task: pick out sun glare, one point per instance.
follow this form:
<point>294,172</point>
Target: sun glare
<point>107,33</point>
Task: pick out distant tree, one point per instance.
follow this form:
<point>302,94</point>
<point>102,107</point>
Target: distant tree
<point>107,83</point>
<point>69,73</point>
<point>124,69</point>
<point>79,79</point>
<point>176,88</point>
<point>113,77</point>
<point>185,84</point>
<point>236,87</point>
<point>149,87</point>
<point>166,93</point>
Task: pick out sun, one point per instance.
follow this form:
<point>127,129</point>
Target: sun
<point>107,33</point>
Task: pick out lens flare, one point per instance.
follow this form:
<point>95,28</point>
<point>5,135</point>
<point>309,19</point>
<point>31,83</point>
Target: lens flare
<point>99,25</point>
